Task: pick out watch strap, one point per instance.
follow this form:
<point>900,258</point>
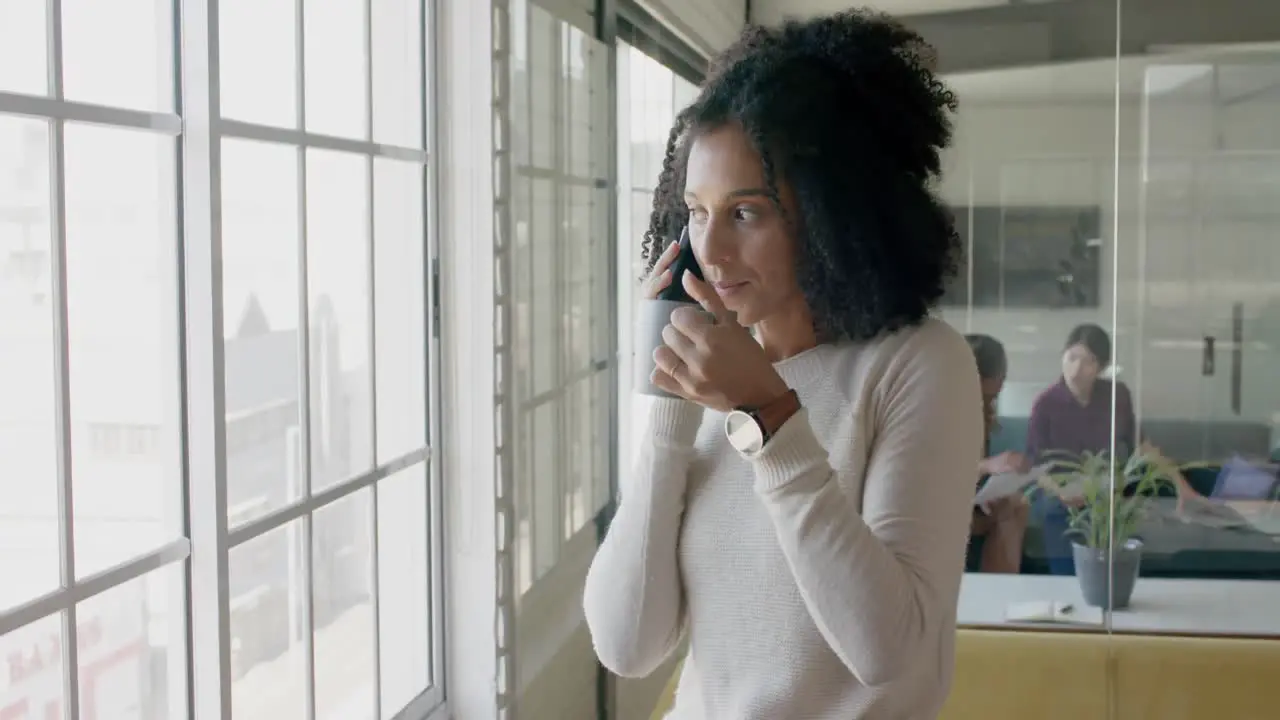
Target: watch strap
<point>773,415</point>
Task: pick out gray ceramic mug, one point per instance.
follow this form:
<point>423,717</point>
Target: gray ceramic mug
<point>651,317</point>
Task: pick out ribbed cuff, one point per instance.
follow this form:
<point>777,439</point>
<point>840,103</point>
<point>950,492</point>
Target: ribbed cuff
<point>791,453</point>
<point>673,422</point>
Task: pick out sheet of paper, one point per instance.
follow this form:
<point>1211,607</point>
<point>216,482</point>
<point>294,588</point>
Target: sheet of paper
<point>1211,514</point>
<point>1006,484</point>
<point>1052,611</point>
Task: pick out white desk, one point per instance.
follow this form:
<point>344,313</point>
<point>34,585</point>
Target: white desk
<point>1178,607</point>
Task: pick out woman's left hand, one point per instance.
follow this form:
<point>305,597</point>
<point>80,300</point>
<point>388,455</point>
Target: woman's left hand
<point>709,359</point>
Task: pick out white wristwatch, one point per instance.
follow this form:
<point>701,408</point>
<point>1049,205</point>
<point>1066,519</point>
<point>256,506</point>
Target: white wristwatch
<point>749,429</point>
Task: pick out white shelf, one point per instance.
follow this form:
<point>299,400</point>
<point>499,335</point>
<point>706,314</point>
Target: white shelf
<point>1178,607</point>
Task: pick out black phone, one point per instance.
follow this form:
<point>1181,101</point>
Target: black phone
<point>684,262</point>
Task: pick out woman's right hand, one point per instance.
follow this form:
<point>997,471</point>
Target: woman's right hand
<point>1008,461</point>
<point>660,277</point>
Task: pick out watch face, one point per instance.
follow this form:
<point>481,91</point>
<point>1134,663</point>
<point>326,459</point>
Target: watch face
<point>744,433</point>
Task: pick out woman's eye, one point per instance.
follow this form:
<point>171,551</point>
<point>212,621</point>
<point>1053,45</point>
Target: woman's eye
<point>745,214</point>
<point>697,215</point>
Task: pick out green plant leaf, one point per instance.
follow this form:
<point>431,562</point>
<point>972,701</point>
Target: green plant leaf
<point>1106,515</point>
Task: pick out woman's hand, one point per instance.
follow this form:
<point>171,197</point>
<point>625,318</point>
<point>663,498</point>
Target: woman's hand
<point>709,359</point>
<point>660,277</point>
<point>1188,498</point>
<point>1008,461</point>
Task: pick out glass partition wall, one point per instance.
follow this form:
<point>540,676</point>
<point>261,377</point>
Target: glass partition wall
<point>1121,221</point>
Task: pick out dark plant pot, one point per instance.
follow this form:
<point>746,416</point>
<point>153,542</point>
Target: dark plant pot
<point>1092,567</point>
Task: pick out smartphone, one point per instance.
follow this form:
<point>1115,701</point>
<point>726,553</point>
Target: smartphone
<point>684,262</point>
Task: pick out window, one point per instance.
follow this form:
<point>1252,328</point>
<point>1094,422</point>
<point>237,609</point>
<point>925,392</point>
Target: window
<point>649,96</point>
<point>561,282</point>
<point>312,248</point>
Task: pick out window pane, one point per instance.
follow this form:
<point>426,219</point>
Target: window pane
<point>602,323</point>
<point>338,301</point>
<point>641,211</point>
<point>268,657</point>
<point>29,558</point>
<point>544,281</point>
<point>580,424</point>
<point>578,261</point>
<point>524,471</point>
<point>257,61</point>
<point>404,599</point>
<point>603,428</point>
<point>400,301</point>
<point>342,600</point>
<point>336,68</point>
<point>637,120</point>
<point>684,94</point>
<point>575,122</point>
<point>260,326</point>
<point>24,63</point>
<point>397,72</point>
<point>520,81</point>
<point>544,58</point>
<point>602,140</point>
<point>33,669</point>
<point>548,446</point>
<point>132,649</point>
<point>118,53</point>
<point>657,117</point>
<point>522,284</point>
<point>124,343</point>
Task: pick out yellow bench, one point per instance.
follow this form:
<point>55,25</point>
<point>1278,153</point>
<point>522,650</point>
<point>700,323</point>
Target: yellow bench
<point>1092,676</point>
<point>668,696</point>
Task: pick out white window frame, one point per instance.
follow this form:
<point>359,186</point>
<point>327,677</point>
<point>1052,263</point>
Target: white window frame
<point>205,670</point>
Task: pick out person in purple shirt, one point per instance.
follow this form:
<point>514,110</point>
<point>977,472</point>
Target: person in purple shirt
<point>1074,416</point>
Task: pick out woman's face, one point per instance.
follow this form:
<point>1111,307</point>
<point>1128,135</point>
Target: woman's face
<point>1080,367</point>
<point>743,243</point>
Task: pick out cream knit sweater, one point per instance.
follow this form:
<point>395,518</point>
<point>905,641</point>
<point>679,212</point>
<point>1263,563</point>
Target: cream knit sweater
<point>817,580</point>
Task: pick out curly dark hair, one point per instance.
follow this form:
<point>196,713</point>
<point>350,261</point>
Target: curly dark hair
<point>846,109</point>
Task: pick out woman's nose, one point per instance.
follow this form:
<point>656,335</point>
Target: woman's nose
<point>717,240</point>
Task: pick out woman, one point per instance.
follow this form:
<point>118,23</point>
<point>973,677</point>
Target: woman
<point>814,556</point>
<point>997,531</point>
<point>1073,416</point>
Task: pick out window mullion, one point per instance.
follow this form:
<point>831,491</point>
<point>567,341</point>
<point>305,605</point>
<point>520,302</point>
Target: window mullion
<point>210,636</point>
<point>372,309</point>
<point>62,355</point>
<point>429,63</point>
<point>301,543</point>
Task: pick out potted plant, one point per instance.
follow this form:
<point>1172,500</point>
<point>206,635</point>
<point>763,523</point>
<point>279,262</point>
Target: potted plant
<point>1105,502</point>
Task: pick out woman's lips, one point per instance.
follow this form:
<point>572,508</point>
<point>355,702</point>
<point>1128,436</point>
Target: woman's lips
<point>725,289</point>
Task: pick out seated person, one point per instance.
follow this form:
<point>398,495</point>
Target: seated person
<point>1073,416</point>
<point>995,542</point>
